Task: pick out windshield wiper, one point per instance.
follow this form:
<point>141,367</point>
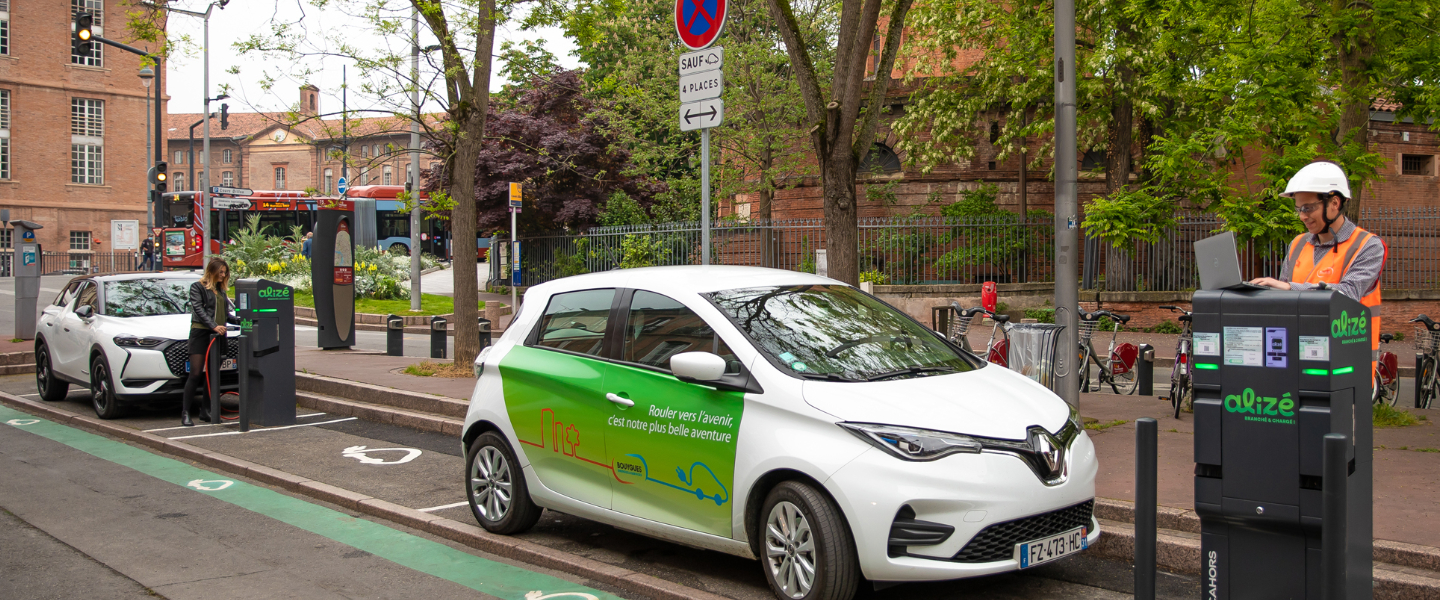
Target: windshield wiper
<point>912,371</point>
<point>824,376</point>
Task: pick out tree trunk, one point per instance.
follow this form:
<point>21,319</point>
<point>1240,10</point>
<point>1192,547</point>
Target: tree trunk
<point>1122,120</point>
<point>1023,184</point>
<point>762,208</point>
<point>1354,47</point>
<point>842,229</point>
<point>472,112</point>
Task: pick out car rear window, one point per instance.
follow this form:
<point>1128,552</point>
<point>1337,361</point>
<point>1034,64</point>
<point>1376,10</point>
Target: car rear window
<point>147,297</point>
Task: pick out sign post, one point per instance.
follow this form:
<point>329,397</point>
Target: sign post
<point>516,200</point>
<point>699,23</point>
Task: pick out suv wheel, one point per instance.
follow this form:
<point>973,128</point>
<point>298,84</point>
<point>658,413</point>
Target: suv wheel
<point>807,550</point>
<point>102,390</point>
<point>496,488</point>
<point>51,388</point>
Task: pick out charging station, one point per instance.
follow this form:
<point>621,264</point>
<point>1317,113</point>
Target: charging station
<point>332,275</point>
<point>1275,371</point>
<point>267,377</point>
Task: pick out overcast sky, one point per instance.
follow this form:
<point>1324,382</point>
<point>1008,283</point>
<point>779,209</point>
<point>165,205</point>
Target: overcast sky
<point>243,18</point>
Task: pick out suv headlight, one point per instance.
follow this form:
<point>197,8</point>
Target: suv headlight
<point>913,444</point>
<point>130,341</point>
<point>479,365</point>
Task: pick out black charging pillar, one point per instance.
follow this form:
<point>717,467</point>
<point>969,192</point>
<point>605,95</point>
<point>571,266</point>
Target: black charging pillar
<point>332,275</point>
<point>267,320</point>
<point>1275,371</point>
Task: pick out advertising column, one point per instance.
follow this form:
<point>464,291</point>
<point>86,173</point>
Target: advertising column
<point>27,277</point>
<point>332,275</point>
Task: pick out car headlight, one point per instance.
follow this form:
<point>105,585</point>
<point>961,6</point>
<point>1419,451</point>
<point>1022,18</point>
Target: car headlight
<point>1075,417</point>
<point>479,365</point>
<point>913,444</point>
<point>130,341</point>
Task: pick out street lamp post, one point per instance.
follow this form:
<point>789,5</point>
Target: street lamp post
<point>204,187</point>
<point>147,76</point>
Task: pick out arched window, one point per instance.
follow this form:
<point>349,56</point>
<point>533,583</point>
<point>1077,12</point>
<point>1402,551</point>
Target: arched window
<point>994,131</point>
<point>365,151</point>
<point>389,175</point>
<point>179,182</point>
<point>881,159</point>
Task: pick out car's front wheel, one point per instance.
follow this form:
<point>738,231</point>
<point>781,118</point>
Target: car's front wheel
<point>808,550</point>
<point>102,390</point>
<point>496,487</point>
<point>50,387</point>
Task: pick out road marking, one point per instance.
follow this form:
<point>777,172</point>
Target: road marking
<point>186,437</point>
<point>219,424</point>
<point>433,558</point>
<point>29,395</point>
<point>361,454</point>
<point>445,506</point>
<point>22,422</point>
<point>211,485</point>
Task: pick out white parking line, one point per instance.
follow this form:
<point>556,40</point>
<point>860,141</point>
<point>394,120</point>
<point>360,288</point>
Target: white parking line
<point>443,507</point>
<point>226,423</point>
<point>28,395</point>
<point>186,437</point>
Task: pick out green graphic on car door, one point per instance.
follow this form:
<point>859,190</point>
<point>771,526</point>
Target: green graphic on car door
<point>558,412</point>
<point>674,451</point>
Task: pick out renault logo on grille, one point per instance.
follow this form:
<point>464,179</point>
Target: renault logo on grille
<point>1050,449</point>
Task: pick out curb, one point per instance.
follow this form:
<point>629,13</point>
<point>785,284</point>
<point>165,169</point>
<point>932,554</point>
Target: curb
<point>380,414</point>
<point>456,531</point>
<point>385,396</point>
<point>15,363</point>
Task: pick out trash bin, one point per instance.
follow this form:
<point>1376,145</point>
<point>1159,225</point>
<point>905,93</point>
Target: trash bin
<point>1032,351</point>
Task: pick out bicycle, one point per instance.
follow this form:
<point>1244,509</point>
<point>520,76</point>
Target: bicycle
<point>1385,380</point>
<point>1182,389</point>
<point>1427,360</point>
<point>995,352</point>
<point>1119,371</point>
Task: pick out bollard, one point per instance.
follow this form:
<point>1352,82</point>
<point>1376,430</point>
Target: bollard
<point>394,335</point>
<point>1145,499</point>
<point>243,368</point>
<point>437,337</point>
<point>1333,533</point>
<point>1147,370</point>
<point>485,339</point>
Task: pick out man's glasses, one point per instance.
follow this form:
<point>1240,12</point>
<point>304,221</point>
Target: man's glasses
<point>1306,209</point>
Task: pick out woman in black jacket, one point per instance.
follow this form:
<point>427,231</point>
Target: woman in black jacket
<point>209,311</point>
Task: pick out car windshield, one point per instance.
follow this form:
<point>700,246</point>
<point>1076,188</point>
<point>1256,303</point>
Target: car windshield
<point>147,297</point>
<point>837,333</point>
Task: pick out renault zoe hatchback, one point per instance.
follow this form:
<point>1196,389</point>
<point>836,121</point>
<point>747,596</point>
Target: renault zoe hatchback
<point>778,416</point>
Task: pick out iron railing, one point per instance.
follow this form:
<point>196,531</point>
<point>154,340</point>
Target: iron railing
<point>926,250</point>
<point>76,263</point>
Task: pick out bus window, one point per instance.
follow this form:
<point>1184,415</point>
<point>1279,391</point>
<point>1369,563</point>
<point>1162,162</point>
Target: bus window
<point>393,225</point>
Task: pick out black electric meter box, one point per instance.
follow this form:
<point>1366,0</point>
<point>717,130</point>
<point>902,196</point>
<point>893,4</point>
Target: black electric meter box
<point>1274,372</point>
<point>267,319</point>
<point>332,274</point>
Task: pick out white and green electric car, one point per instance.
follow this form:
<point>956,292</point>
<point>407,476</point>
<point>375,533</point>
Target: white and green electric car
<point>773,415</point>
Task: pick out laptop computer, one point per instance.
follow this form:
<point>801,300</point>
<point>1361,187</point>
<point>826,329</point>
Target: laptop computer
<point>1219,263</point>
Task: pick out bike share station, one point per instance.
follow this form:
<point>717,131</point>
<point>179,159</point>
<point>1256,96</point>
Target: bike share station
<point>1283,445</point>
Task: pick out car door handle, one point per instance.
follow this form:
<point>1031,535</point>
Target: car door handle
<point>618,399</point>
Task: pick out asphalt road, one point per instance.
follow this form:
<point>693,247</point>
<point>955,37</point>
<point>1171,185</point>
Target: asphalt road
<point>333,450</point>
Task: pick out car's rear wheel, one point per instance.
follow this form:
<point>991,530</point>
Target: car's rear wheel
<point>50,387</point>
<point>102,390</point>
<point>496,488</point>
<point>808,553</point>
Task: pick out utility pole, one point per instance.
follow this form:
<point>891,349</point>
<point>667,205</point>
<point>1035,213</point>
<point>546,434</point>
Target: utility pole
<point>415,159</point>
<point>1067,292</point>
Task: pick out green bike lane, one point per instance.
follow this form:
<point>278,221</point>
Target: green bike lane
<point>186,532</point>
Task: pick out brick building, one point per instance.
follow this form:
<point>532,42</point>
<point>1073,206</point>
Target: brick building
<point>72,128</point>
<point>278,151</point>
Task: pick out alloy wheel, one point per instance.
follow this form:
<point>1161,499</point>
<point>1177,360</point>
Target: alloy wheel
<point>491,484</point>
<point>790,549</point>
<point>42,371</point>
<point>100,388</point>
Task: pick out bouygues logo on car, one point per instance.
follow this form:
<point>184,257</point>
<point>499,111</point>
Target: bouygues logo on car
<point>1350,330</point>
<point>1262,409</point>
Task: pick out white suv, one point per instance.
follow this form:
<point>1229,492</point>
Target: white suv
<point>123,336</point>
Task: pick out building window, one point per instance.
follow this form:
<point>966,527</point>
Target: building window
<point>87,141</point>
<point>994,131</point>
<point>5,134</point>
<point>1416,164</point>
<point>279,178</point>
<point>363,175</point>
<point>881,159</point>
<point>1093,160</point>
<point>227,178</point>
<point>5,238</point>
<point>179,179</point>
<point>365,152</point>
<point>389,175</point>
<point>378,152</point>
<point>228,156</point>
<point>329,182</point>
<point>79,240</point>
<point>5,29</point>
<point>97,9</point>
<point>179,157</point>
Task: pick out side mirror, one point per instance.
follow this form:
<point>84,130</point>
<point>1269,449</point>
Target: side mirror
<point>88,311</point>
<point>697,366</point>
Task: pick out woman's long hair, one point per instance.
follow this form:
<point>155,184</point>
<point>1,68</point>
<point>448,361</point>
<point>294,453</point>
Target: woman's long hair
<point>213,280</point>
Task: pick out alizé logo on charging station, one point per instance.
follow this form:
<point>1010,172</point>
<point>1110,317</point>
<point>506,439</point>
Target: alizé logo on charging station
<point>1350,329</point>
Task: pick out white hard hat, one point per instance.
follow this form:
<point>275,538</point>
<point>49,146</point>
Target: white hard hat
<point>1320,178</point>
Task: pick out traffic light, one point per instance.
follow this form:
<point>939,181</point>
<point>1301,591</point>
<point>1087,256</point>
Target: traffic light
<point>224,117</point>
<point>160,177</point>
<point>80,40</point>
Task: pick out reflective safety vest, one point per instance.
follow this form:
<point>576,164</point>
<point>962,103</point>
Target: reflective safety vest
<point>1332,267</point>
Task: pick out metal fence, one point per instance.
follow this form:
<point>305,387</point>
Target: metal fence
<point>76,263</point>
<point>926,250</point>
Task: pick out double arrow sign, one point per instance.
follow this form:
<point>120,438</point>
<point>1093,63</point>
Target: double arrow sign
<point>701,84</point>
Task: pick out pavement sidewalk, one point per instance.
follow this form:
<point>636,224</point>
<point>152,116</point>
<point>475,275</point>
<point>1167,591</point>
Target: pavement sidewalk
<point>379,369</point>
